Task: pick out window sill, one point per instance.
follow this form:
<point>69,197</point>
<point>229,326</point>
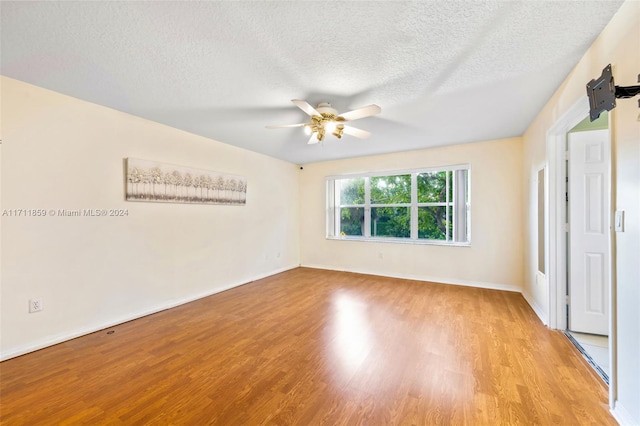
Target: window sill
<point>401,241</point>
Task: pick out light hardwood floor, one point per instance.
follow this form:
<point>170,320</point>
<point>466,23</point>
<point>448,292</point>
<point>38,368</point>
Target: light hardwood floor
<point>309,347</point>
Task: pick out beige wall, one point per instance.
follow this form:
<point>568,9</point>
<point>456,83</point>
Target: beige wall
<point>619,44</point>
<point>495,256</point>
<point>63,153</point>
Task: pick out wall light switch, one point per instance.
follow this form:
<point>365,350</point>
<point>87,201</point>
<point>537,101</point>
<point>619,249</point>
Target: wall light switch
<point>619,221</point>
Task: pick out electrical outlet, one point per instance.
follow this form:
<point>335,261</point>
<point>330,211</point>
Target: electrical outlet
<point>35,305</point>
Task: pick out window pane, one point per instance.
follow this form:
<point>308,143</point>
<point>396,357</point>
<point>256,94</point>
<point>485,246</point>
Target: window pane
<point>432,223</point>
<point>352,221</point>
<point>351,191</point>
<point>391,189</point>
<point>432,187</point>
<point>383,207</point>
<point>391,222</point>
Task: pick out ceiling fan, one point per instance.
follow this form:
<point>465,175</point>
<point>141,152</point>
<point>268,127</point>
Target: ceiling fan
<point>326,120</point>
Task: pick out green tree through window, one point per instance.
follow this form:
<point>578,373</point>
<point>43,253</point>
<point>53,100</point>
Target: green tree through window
<point>390,206</point>
<point>351,203</point>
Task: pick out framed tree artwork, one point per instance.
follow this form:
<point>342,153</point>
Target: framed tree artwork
<point>166,183</point>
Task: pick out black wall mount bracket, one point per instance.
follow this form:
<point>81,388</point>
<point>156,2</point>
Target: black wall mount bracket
<point>602,93</point>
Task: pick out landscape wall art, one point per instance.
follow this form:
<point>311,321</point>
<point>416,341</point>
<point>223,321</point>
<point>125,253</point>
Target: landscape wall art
<point>166,183</point>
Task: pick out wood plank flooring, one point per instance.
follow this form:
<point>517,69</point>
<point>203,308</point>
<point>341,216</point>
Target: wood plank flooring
<point>312,347</point>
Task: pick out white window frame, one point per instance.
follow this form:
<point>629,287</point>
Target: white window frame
<point>461,209</point>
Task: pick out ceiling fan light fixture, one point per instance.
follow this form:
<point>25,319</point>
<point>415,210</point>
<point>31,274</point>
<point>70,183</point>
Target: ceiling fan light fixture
<point>325,120</point>
<point>330,126</point>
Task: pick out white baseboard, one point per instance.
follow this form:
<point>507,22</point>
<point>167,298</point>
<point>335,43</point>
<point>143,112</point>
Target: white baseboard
<point>439,280</point>
<point>63,337</point>
<point>623,417</point>
<point>536,308</point>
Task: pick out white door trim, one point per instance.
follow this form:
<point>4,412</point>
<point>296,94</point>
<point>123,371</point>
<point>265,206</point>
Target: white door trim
<point>557,211</point>
<point>556,143</point>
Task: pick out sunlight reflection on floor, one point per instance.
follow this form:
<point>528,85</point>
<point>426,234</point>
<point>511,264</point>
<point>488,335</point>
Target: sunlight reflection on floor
<point>375,349</point>
<point>352,332</point>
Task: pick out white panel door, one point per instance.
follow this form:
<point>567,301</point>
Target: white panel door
<point>589,221</point>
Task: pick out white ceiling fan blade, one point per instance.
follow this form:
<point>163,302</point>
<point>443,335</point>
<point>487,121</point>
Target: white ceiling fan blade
<point>286,125</point>
<point>304,105</point>
<point>362,134</point>
<point>313,139</point>
<point>372,109</point>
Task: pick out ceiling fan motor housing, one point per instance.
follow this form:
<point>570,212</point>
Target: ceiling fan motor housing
<point>325,108</point>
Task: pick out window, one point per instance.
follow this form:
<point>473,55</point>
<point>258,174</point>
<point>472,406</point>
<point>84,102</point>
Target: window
<point>423,206</point>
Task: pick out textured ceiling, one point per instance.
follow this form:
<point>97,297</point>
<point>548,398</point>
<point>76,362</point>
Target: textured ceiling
<point>443,72</point>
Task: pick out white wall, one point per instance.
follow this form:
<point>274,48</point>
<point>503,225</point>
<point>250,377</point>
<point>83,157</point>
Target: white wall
<point>495,256</point>
<point>92,272</point>
<point>619,44</point>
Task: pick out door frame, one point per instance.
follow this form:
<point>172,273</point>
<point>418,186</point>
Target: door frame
<point>556,146</point>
